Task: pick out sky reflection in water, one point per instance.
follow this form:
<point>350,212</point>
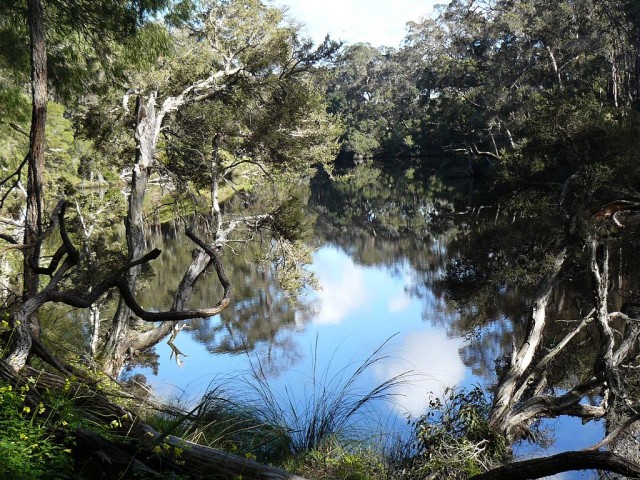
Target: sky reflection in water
<point>358,308</point>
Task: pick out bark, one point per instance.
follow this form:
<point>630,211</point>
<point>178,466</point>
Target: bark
<point>22,334</point>
<point>35,198</point>
<point>215,175</point>
<point>636,92</point>
<point>523,356</point>
<point>204,257</point>
<point>537,371</point>
<point>149,121</point>
<point>564,462</point>
<point>606,367</point>
<point>21,340</point>
<point>210,461</point>
<point>548,406</point>
<point>198,266</point>
<point>614,81</point>
<point>556,70</point>
<point>116,346</point>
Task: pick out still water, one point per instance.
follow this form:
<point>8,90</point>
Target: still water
<point>378,262</point>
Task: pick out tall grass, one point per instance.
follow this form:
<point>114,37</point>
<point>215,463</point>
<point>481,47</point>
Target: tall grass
<point>329,406</point>
<point>247,415</point>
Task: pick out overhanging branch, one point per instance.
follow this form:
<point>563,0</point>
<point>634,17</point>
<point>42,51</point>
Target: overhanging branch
<point>564,462</point>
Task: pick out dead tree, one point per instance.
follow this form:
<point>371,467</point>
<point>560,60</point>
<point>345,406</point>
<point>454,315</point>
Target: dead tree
<point>521,395</point>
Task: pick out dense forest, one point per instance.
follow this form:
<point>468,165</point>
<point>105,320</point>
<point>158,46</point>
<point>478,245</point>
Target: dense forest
<point>117,116</point>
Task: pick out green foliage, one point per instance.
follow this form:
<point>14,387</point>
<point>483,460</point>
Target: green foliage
<point>30,445</point>
<point>290,221</point>
<point>337,461</point>
<point>454,439</point>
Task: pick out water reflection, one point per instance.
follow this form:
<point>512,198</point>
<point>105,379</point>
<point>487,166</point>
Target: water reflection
<point>384,244</point>
<point>376,263</point>
<point>434,357</point>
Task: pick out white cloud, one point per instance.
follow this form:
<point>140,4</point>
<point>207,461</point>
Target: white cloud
<point>379,22</point>
<point>399,303</point>
<point>434,359</point>
<point>340,296</point>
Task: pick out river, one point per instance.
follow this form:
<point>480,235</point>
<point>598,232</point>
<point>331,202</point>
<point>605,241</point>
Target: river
<point>379,261</point>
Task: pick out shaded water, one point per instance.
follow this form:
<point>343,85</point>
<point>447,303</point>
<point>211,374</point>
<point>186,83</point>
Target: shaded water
<point>379,260</point>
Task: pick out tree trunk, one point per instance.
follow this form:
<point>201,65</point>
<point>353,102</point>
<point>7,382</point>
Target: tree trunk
<point>636,83</point>
<point>215,175</point>
<point>27,325</point>
<point>521,359</point>
<point>35,199</point>
<point>115,351</point>
<point>563,462</point>
<point>148,126</point>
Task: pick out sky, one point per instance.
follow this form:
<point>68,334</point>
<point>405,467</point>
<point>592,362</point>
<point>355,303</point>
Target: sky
<point>378,22</point>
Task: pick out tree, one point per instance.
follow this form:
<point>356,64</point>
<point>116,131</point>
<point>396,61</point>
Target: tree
<point>263,113</point>
<point>245,70</point>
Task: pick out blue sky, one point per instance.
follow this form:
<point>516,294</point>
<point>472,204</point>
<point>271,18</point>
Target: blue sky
<point>379,22</point>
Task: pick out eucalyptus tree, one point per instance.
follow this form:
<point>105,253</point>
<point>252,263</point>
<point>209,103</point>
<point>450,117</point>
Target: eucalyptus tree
<point>247,70</point>
<point>236,93</point>
<point>34,25</point>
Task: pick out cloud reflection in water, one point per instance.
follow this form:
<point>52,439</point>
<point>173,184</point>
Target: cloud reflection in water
<point>434,359</point>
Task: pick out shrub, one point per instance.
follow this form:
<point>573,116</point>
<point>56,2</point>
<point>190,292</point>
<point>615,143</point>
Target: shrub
<point>336,461</point>
<point>454,439</point>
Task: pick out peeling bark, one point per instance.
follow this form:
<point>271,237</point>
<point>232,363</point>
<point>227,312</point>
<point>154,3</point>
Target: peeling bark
<point>600,274</point>
<point>116,346</point>
<point>149,122</point>
<point>505,396</point>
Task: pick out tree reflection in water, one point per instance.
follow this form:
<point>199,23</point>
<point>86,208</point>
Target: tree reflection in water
<point>477,272</point>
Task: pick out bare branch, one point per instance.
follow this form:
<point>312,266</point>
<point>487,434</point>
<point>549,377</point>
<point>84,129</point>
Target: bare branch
<point>118,280</point>
<point>616,433</point>
<point>540,366</point>
<point>17,173</point>
<point>567,404</point>
<point>9,239</point>
<point>563,462</point>
<point>19,129</point>
<point>523,357</point>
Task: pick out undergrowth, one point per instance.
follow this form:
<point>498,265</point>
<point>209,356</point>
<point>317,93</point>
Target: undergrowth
<point>33,444</point>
